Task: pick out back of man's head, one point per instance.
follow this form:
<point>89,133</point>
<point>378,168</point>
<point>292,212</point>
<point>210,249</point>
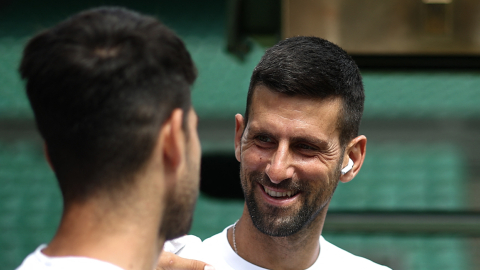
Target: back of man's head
<point>101,84</point>
<point>313,67</point>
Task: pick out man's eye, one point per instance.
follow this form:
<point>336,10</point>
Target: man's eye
<point>264,139</point>
<point>306,147</point>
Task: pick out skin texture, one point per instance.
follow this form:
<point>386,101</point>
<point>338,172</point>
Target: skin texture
<point>290,144</point>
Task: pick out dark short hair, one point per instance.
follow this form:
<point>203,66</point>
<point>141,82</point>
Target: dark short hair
<point>313,67</point>
<point>101,84</point>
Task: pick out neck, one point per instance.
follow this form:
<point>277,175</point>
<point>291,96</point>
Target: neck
<point>298,251</point>
<point>127,239</point>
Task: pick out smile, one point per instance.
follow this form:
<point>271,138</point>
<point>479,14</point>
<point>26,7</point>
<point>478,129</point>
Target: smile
<point>278,194</point>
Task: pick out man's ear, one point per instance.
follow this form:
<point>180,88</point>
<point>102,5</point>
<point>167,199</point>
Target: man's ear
<point>172,141</point>
<point>47,156</point>
<point>239,128</point>
<point>355,150</point>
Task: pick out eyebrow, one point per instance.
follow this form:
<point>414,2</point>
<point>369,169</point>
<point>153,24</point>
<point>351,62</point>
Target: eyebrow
<point>311,140</point>
<point>323,144</point>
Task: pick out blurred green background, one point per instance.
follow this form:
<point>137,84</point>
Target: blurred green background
<point>422,125</point>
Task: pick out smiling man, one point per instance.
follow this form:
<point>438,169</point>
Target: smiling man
<point>290,160</point>
<point>298,139</point>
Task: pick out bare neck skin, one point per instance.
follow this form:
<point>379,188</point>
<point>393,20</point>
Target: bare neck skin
<point>126,235</point>
<point>298,251</point>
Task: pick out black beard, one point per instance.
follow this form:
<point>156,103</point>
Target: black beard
<point>179,222</point>
<point>273,221</point>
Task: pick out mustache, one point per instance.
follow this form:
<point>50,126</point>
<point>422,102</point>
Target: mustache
<point>288,184</point>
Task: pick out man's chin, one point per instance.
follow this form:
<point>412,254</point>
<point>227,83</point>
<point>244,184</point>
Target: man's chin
<point>277,222</point>
<point>278,230</point>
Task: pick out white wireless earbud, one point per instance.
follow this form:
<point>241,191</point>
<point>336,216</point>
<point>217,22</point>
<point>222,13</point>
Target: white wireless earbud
<point>348,167</point>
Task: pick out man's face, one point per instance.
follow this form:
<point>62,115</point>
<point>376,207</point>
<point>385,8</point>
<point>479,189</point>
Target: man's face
<point>290,158</point>
<point>181,202</point>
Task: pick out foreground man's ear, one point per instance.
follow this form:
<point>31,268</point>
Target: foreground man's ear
<point>172,141</point>
<point>239,128</point>
<point>355,150</point>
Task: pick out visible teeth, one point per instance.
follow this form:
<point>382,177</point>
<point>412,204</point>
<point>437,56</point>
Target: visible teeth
<point>278,194</point>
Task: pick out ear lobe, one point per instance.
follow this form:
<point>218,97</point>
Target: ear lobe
<point>239,128</point>
<point>356,152</point>
<point>172,141</point>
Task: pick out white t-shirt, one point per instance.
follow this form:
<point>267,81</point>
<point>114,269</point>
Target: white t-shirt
<point>217,251</point>
<point>39,261</point>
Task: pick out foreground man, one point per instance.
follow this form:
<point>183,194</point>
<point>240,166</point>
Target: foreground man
<point>110,90</point>
<point>298,139</point>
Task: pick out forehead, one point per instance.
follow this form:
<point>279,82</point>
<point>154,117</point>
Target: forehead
<point>299,114</point>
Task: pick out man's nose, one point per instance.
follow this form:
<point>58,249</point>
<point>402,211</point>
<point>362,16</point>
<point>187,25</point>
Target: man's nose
<point>280,166</point>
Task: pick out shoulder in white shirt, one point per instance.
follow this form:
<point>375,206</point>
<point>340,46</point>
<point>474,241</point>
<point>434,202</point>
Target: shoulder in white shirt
<point>39,261</point>
<point>217,251</point>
